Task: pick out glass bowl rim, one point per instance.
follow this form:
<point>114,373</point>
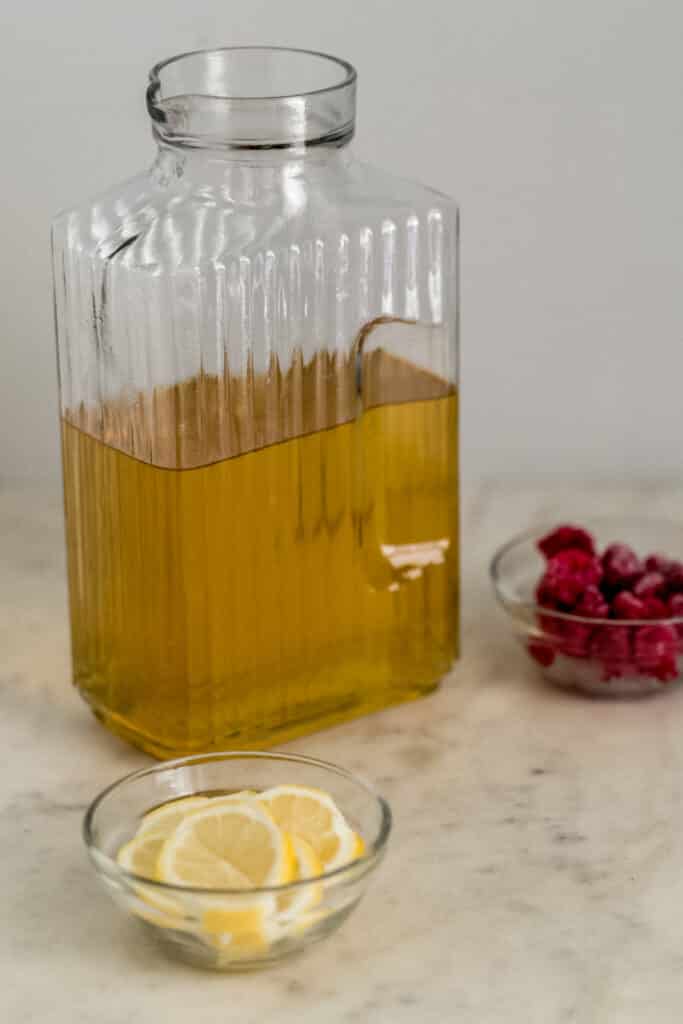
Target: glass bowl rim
<point>509,598</point>
<point>358,867</point>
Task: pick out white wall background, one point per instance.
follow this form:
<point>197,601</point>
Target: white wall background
<point>557,124</point>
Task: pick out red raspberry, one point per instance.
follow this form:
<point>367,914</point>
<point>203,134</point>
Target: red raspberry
<point>545,596</point>
<point>658,563</point>
<point>592,604</point>
<point>575,639</point>
<point>565,538</point>
<point>627,606</point>
<point>566,637</point>
<point>567,576</point>
<point>674,579</point>
<point>551,624</point>
<point>655,649</point>
<point>611,645</point>
<point>541,652</point>
<point>652,584</point>
<point>621,566</point>
<point>655,608</point>
<point>676,610</point>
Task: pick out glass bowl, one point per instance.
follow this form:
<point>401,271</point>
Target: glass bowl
<point>182,918</point>
<point>603,657</point>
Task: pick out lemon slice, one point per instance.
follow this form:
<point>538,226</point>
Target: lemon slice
<point>314,817</point>
<point>227,844</point>
<point>292,905</point>
<point>164,819</point>
<point>140,855</point>
<point>230,844</point>
<point>250,935</point>
<point>308,863</point>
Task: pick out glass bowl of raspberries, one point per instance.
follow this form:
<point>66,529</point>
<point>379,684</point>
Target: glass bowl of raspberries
<point>598,607</point>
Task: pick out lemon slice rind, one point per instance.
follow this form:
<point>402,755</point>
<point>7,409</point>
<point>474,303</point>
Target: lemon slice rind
<point>313,815</point>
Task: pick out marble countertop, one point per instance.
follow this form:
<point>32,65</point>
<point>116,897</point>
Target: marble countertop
<point>536,869</point>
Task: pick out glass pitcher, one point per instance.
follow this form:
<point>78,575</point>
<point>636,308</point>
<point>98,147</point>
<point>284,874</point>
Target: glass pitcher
<point>257,343</point>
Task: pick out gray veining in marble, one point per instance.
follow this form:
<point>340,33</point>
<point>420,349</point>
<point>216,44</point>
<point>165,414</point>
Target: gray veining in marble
<point>535,873</point>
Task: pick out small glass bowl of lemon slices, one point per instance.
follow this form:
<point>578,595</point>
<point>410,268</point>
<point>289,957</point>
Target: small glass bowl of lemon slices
<point>236,860</point>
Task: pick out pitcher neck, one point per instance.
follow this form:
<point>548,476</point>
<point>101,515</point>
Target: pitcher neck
<point>249,177</point>
<point>264,104</point>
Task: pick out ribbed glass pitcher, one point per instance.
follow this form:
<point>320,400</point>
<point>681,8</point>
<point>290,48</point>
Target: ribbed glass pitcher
<point>258,374</point>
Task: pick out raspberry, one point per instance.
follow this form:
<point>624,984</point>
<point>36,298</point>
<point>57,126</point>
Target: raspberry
<point>618,585</point>
<point>567,576</point>
<point>652,584</point>
<point>592,604</point>
<point>574,640</point>
<point>545,596</point>
<point>611,645</point>
<point>655,649</point>
<point>674,579</point>
<point>658,563</point>
<point>627,606</point>
<point>655,608</point>
<point>676,610</point>
<point>565,538</point>
<point>542,653</point>
<point>566,637</point>
<point>551,624</point>
<point>621,566</point>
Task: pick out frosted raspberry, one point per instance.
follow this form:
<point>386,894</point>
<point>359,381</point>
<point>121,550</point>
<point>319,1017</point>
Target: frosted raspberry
<point>655,649</point>
<point>674,579</point>
<point>574,640</point>
<point>592,604</point>
<point>611,645</point>
<point>542,653</point>
<point>566,578</point>
<point>652,584</point>
<point>551,624</point>
<point>655,608</point>
<point>566,637</point>
<point>565,538</point>
<point>545,596</point>
<point>627,606</point>
<point>619,585</point>
<point>676,610</point>
<point>621,566</point>
<point>658,563</point>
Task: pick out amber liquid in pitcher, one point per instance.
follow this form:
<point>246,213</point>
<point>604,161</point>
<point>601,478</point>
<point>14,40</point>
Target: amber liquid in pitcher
<point>259,596</point>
